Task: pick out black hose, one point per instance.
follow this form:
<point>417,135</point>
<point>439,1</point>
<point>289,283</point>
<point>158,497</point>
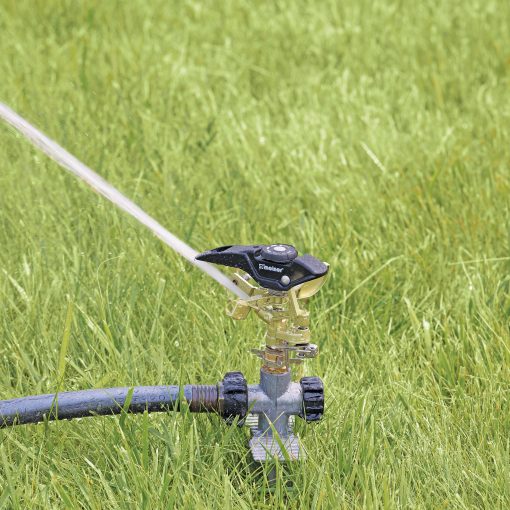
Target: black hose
<point>78,404</point>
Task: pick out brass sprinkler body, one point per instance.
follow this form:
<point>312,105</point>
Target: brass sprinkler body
<point>287,338</point>
<point>277,283</point>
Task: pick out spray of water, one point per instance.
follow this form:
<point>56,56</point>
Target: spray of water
<point>98,184</point>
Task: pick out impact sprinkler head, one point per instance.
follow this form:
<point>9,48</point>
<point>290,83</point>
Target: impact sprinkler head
<point>272,280</point>
<point>277,282</point>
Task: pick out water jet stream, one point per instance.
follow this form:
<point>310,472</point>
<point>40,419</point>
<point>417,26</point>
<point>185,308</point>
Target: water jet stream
<point>98,184</point>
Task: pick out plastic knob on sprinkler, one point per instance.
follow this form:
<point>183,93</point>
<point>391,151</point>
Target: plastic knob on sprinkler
<point>281,253</point>
<point>313,398</point>
<point>233,396</point>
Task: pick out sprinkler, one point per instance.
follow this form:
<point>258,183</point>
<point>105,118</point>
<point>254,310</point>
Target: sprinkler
<point>270,280</point>
<point>276,282</point>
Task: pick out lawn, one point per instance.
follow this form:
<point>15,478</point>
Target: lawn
<point>371,134</point>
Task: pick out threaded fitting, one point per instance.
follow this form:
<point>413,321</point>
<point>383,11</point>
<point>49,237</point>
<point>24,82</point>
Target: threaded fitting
<point>204,398</point>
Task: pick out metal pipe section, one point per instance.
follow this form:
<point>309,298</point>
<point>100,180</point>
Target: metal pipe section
<point>274,401</point>
<point>101,186</point>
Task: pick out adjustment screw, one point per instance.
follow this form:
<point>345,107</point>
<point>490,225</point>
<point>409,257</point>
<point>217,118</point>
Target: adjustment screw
<point>285,279</point>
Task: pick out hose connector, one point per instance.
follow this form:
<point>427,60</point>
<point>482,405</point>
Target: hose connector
<point>204,398</point>
<point>233,397</point>
<point>228,398</point>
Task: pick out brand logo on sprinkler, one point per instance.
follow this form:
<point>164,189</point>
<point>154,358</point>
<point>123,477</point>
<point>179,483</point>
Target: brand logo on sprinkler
<point>271,268</point>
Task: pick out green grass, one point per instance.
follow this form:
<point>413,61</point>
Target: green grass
<point>372,134</point>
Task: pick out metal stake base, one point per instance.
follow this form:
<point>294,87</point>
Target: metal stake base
<point>273,405</point>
